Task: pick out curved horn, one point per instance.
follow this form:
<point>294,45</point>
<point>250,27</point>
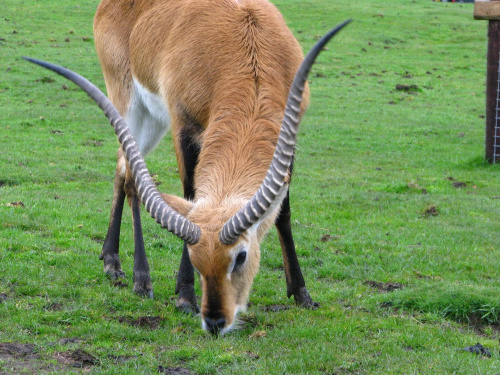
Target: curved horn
<point>163,214</point>
<point>278,170</point>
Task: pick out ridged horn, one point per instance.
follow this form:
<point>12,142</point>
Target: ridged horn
<point>278,170</point>
<point>164,215</point>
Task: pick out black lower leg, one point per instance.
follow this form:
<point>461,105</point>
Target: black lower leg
<point>110,248</point>
<point>294,280</point>
<point>142,278</point>
<point>185,285</point>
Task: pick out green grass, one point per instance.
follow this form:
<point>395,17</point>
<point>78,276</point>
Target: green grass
<point>375,170</point>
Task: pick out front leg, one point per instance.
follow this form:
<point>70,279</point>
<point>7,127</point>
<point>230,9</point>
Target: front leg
<point>186,301</point>
<point>188,151</point>
<point>295,283</point>
<point>142,278</point>
<point>110,248</point>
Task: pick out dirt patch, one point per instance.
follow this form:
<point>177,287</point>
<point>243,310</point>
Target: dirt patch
<point>76,358</point>
<point>383,287</point>
<point>249,321</point>
<point>16,204</point>
<point>97,239</point>
<point>258,335</point>
<point>23,359</point>
<point>17,350</point>
<point>69,340</point>
<point>3,297</point>
<point>149,322</point>
<point>174,371</point>
<point>252,355</point>
<point>455,183</point>
<point>119,284</point>
<point>419,275</point>
<point>459,184</point>
<point>45,80</point>
<point>481,325</point>
<point>328,237</point>
<point>431,211</point>
<point>276,308</point>
<point>53,306</point>
<point>484,330</point>
<point>408,88</point>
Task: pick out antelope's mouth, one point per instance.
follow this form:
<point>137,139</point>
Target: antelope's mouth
<point>216,326</point>
<point>219,325</point>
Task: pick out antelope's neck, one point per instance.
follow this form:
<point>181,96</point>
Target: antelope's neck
<point>236,153</point>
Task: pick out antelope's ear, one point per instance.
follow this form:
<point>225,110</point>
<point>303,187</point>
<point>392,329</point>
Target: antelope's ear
<point>179,204</point>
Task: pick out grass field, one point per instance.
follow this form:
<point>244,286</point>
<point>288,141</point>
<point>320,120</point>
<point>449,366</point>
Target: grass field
<point>395,212</point>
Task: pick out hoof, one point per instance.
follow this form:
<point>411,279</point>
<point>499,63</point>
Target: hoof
<point>186,302</point>
<point>114,274</point>
<point>143,292</point>
<point>187,307</point>
<point>112,266</point>
<point>304,300</point>
<point>143,286</point>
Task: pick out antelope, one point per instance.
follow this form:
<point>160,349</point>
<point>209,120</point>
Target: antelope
<point>220,74</point>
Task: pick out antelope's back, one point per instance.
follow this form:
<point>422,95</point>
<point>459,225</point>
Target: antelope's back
<point>209,56</point>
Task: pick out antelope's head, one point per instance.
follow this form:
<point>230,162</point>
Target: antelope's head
<point>226,268</point>
<point>223,240</point>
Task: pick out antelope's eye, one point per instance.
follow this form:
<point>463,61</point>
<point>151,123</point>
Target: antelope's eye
<point>240,259</point>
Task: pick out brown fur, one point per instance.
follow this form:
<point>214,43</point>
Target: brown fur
<point>229,65</point>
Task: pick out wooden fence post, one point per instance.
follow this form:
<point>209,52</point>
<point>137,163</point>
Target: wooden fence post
<point>490,10</point>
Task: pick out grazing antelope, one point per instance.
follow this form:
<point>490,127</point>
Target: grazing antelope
<point>219,73</point>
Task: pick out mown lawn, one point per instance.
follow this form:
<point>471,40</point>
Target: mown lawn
<point>395,212</point>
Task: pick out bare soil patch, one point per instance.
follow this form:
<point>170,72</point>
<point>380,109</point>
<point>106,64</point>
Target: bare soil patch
<point>459,184</point>
<point>249,320</point>
<point>383,287</point>
<point>119,284</point>
<point>17,350</point>
<point>20,358</point>
<point>276,308</point>
<point>431,211</point>
<point>69,340</point>
<point>76,358</point>
<point>456,184</point>
<point>328,237</point>
<point>53,306</point>
<point>252,355</point>
<point>16,204</point>
<point>408,88</point>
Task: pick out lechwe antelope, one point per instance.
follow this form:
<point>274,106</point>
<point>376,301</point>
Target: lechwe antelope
<point>219,73</point>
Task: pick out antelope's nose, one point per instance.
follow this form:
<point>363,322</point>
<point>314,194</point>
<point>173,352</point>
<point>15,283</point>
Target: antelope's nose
<point>214,326</point>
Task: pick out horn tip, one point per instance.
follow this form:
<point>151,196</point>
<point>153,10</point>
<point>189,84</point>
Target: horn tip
<point>34,61</point>
<point>31,60</point>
